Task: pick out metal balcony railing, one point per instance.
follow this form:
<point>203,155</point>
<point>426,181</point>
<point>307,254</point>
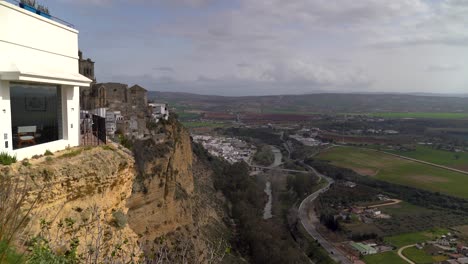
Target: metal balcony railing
<point>53,18</point>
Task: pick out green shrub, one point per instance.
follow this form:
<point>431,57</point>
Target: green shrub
<point>72,153</point>
<point>6,159</point>
<point>126,142</point>
<point>120,219</point>
<point>42,253</point>
<point>107,147</point>
<point>48,153</point>
<point>9,255</point>
<point>49,159</point>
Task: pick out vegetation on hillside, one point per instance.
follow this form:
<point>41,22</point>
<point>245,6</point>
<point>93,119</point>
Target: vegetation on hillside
<point>261,241</point>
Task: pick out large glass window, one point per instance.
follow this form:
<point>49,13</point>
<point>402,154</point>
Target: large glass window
<point>35,114</point>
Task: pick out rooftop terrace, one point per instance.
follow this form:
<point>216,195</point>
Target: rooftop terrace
<point>34,10</point>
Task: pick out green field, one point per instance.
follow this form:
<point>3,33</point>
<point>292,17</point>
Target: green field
<point>413,238</point>
<point>202,124</point>
<point>404,209</point>
<point>421,115</point>
<point>404,240</point>
<point>287,111</point>
<point>419,256</point>
<point>390,257</point>
<point>187,116</point>
<point>396,170</point>
<point>445,158</point>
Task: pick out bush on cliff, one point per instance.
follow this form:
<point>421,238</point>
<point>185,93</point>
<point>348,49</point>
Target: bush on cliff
<point>6,159</point>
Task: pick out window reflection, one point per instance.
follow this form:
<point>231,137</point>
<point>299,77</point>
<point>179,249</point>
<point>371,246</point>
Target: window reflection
<point>35,114</point>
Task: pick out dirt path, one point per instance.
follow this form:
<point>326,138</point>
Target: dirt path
<point>393,201</point>
<point>402,256</point>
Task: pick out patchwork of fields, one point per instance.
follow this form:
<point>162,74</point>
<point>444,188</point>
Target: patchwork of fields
<point>441,157</point>
<point>425,115</point>
<point>396,170</point>
<point>418,256</point>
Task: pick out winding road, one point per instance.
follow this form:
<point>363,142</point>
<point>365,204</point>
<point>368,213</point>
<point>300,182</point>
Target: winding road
<point>309,219</point>
<point>400,253</point>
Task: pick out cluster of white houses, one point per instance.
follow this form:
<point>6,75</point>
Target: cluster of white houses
<point>40,84</point>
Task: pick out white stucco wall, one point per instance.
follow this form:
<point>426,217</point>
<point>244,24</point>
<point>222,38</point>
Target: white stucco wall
<point>31,40</point>
<point>5,117</point>
<point>70,124</point>
<point>34,49</point>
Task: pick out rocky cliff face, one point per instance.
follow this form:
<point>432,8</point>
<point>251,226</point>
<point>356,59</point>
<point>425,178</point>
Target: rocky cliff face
<point>174,208</point>
<point>78,195</point>
<point>155,204</point>
<point>164,181</point>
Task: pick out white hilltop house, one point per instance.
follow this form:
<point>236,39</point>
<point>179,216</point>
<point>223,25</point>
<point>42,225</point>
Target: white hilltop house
<point>39,83</point>
<point>159,111</point>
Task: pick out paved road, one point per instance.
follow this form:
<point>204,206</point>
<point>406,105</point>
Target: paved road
<point>402,256</point>
<point>309,220</point>
<point>277,169</point>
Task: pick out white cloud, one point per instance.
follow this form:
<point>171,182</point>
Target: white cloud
<point>378,45</point>
<point>443,68</point>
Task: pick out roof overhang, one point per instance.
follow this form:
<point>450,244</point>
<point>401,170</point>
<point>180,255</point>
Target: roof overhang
<point>15,72</point>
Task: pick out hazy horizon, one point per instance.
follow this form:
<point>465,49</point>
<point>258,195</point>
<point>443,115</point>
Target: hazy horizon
<point>258,47</point>
<point>459,95</point>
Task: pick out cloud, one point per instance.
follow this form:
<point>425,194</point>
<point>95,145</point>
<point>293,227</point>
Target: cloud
<point>306,44</point>
<point>164,69</point>
<point>243,65</point>
<point>443,68</point>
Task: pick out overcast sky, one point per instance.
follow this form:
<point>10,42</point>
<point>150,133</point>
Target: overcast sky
<point>251,47</point>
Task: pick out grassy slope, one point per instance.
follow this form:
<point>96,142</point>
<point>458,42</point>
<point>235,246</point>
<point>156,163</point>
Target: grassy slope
<point>441,157</point>
<point>392,169</point>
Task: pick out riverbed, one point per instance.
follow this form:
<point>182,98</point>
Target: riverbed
<point>267,211</point>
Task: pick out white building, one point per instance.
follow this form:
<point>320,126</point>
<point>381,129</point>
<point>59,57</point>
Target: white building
<point>159,111</point>
<point>112,117</point>
<point>39,83</point>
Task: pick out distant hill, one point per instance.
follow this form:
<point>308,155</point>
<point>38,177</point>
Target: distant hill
<point>317,103</point>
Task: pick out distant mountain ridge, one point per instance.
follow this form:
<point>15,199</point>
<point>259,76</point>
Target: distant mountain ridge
<point>319,102</point>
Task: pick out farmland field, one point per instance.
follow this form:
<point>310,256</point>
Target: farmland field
<point>419,256</point>
<point>404,240</point>
<point>188,116</point>
<point>441,157</point>
<point>413,238</point>
<point>421,115</point>
<point>390,257</point>
<point>396,170</point>
<point>202,124</point>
